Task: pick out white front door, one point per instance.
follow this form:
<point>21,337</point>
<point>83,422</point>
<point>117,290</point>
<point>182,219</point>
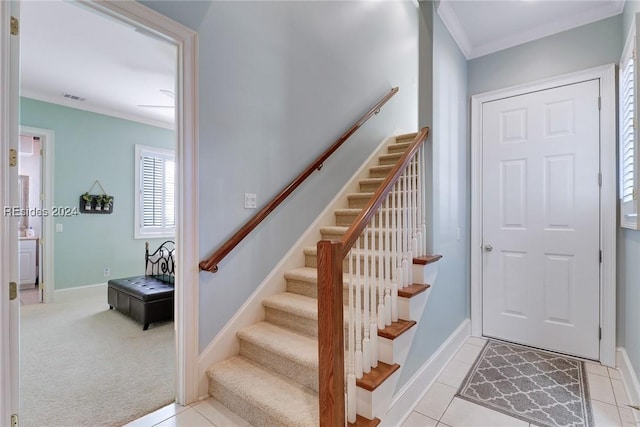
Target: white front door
<point>541,223</point>
<point>9,308</point>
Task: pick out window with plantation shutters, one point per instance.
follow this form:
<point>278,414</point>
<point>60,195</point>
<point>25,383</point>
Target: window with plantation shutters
<point>628,135</point>
<point>155,184</point>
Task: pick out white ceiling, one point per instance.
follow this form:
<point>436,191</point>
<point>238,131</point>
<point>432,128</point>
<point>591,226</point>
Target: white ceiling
<point>69,49</point>
<point>481,27</point>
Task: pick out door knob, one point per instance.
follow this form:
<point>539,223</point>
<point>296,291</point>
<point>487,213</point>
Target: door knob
<point>488,248</point>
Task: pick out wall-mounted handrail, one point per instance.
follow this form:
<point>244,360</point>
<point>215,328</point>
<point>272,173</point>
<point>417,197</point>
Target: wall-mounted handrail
<point>330,256</point>
<point>211,263</point>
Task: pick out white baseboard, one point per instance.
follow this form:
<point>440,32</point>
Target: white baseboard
<point>629,377</point>
<point>80,292</point>
<point>412,392</point>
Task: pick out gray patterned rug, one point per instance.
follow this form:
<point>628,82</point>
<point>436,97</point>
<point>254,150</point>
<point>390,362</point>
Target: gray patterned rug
<point>543,388</point>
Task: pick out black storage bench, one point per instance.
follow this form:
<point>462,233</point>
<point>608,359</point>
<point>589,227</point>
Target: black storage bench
<point>147,298</point>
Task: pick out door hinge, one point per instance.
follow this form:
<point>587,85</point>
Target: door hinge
<point>600,333</point>
<point>599,179</point>
<point>599,103</point>
<point>13,157</point>
<point>15,26</point>
<point>601,257</point>
<point>13,291</point>
<point>14,420</point>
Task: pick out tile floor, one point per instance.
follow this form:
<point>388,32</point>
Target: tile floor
<point>438,407</point>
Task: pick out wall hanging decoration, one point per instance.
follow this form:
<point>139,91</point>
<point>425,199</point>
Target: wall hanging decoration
<point>96,203</point>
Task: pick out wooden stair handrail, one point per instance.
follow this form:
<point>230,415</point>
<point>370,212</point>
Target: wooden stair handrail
<point>330,296</point>
<point>357,227</point>
<point>211,263</point>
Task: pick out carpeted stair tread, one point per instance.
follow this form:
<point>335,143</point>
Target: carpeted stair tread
<point>298,305</point>
<point>412,290</point>
<point>278,401</point>
<point>398,147</point>
<point>296,347</point>
<point>389,159</point>
<point>371,181</point>
<point>406,137</point>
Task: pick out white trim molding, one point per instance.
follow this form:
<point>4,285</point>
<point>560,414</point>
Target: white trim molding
<point>408,397</point>
<point>559,24</point>
<point>186,127</point>
<point>47,139</point>
<point>608,197</point>
<point>629,377</point>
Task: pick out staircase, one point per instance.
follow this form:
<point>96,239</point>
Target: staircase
<point>273,381</point>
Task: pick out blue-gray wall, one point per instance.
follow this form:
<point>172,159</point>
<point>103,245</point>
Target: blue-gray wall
<point>448,304</point>
<point>279,82</point>
<point>584,47</point>
<point>89,147</point>
<point>628,283</point>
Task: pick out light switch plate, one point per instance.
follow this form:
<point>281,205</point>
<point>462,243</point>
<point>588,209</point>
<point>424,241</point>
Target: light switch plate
<point>250,201</point>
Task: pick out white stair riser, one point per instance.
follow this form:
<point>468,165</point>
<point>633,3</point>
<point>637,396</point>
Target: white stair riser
<point>412,308</point>
<point>425,274</point>
<point>374,404</point>
<point>395,351</point>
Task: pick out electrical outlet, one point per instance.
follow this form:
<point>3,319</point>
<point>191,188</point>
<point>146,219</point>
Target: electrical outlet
<point>59,228</point>
<point>250,201</point>
<point>107,272</point>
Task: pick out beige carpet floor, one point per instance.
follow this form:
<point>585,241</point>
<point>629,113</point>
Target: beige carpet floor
<point>85,365</point>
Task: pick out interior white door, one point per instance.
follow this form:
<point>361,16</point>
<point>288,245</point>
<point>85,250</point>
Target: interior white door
<point>541,220</point>
<point>9,308</point>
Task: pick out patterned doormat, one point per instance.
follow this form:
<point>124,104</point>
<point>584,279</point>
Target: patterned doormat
<point>543,388</point>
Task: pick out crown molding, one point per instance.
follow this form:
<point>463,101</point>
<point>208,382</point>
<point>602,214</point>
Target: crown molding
<point>563,23</point>
<point>25,93</point>
<point>450,20</point>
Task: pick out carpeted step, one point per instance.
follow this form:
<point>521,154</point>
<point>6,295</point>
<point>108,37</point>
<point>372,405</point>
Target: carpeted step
<point>263,398</point>
<point>389,159</point>
<point>347,216</point>
<point>370,185</point>
<point>399,147</point>
<point>380,171</point>
<point>292,311</point>
<point>359,200</point>
<point>288,353</point>
<point>406,137</point>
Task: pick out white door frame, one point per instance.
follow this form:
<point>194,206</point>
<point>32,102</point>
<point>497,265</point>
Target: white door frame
<point>608,200</point>
<point>187,273</point>
<point>9,310</point>
<point>47,138</point>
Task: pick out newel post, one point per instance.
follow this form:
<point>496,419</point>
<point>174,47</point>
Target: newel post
<point>330,334</point>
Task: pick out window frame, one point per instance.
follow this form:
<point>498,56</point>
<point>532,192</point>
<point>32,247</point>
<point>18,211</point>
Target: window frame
<point>628,208</point>
<point>140,231</point>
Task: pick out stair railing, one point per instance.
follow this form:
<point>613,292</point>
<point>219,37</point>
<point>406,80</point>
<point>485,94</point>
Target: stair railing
<point>211,263</point>
<point>377,254</point>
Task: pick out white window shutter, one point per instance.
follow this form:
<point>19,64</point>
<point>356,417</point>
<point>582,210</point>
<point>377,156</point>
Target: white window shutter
<point>628,134</point>
<point>155,183</point>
